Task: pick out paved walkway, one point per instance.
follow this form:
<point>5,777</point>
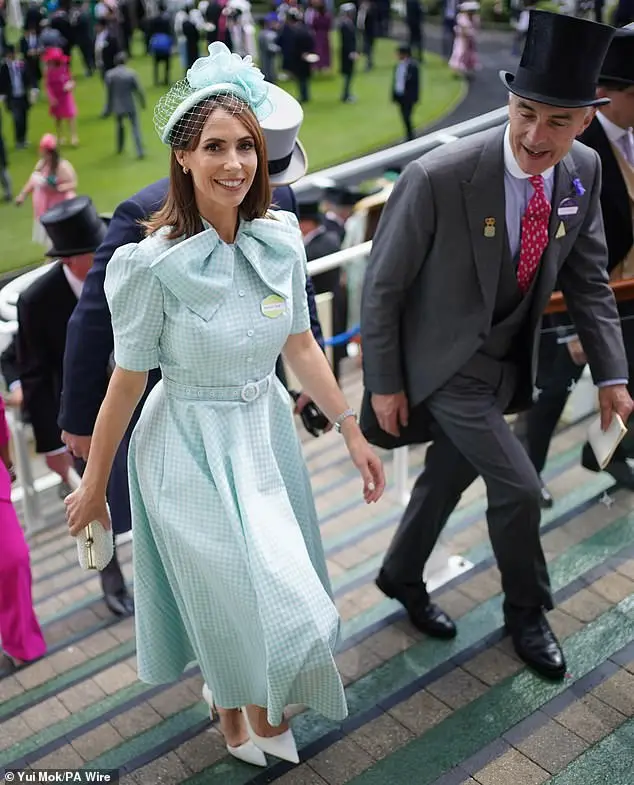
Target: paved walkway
<point>422,712</point>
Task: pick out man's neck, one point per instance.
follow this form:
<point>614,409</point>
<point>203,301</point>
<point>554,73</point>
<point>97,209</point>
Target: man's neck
<point>609,114</point>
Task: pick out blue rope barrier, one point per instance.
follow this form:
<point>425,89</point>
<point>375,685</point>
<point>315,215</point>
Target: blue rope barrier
<point>346,337</point>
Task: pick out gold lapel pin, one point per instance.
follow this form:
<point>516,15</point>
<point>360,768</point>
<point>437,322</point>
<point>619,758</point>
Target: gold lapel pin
<point>489,227</point>
<point>561,231</point>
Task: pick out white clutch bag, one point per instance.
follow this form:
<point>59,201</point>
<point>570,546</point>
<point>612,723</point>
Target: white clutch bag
<point>95,545</point>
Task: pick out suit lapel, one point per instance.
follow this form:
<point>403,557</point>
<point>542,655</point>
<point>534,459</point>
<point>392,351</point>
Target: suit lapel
<point>485,206</point>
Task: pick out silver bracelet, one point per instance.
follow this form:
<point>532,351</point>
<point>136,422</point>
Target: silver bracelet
<point>344,416</point>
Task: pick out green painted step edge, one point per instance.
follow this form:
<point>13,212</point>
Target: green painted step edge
<point>485,719</point>
<point>69,724</point>
<point>483,550</point>
<point>610,761</point>
<point>159,733</point>
<point>58,683</point>
<point>409,665</point>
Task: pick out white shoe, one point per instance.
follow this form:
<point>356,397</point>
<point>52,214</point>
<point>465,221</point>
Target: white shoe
<point>282,746</point>
<point>247,752</point>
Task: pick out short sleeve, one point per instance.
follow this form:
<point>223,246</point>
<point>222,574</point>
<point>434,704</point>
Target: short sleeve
<point>135,299</point>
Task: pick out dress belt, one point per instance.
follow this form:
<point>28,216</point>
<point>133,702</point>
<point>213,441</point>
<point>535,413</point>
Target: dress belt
<point>247,393</point>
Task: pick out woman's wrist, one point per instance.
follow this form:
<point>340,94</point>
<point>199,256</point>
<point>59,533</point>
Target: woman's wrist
<point>350,430</point>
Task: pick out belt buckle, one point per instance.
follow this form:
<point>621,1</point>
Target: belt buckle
<point>250,392</point>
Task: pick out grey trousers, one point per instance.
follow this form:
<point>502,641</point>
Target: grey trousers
<point>136,131</point>
<point>473,439</point>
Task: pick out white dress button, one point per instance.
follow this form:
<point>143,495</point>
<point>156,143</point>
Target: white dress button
<point>241,293</point>
<point>250,333</point>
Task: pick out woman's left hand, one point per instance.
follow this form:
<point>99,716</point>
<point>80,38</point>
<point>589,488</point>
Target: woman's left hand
<point>370,467</point>
<point>83,508</point>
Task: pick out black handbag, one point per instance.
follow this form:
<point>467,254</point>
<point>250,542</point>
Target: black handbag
<point>417,430</point>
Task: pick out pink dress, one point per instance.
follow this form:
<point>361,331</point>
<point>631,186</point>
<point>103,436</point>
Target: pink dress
<point>20,631</point>
<point>464,56</point>
<point>44,197</point>
<point>62,103</point>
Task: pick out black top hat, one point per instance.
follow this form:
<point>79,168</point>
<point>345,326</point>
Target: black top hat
<point>561,61</point>
<point>618,65</point>
<point>343,197</point>
<point>308,209</point>
<point>74,227</point>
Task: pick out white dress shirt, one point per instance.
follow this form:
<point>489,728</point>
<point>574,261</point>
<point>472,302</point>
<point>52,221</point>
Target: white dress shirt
<point>518,192</point>
<point>623,138</point>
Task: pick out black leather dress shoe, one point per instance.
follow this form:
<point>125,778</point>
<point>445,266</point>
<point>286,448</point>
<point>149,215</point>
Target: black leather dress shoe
<point>546,501</point>
<point>423,614</point>
<point>620,470</point>
<point>119,604</point>
<point>535,642</point>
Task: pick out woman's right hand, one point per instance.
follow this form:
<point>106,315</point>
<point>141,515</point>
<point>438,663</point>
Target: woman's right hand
<point>84,507</point>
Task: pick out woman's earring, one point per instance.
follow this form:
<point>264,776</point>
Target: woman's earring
<point>185,170</point>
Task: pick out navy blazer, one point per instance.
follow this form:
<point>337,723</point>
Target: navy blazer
<point>89,340</point>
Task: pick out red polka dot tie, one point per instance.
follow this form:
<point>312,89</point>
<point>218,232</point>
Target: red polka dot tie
<point>534,233</point>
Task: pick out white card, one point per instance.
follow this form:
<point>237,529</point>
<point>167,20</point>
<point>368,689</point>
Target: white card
<point>604,443</point>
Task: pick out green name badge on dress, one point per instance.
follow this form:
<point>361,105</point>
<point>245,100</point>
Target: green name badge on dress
<point>273,306</point>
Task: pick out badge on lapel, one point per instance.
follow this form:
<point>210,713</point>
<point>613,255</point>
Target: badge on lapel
<point>567,206</point>
<point>561,231</point>
<point>489,227</point>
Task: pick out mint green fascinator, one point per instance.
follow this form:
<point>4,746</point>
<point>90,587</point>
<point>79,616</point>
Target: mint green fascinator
<point>220,73</point>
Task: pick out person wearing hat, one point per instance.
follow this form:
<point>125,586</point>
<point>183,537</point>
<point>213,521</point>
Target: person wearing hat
<point>464,56</point>
<point>406,87</point>
<point>466,256</point>
<point>228,562</point>
<point>44,308</point>
<point>338,203</point>
<point>610,134</point>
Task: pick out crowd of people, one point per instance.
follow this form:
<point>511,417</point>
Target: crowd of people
<point>149,357</point>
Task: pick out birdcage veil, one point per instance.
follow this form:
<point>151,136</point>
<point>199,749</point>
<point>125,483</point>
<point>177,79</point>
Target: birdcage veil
<point>240,83</point>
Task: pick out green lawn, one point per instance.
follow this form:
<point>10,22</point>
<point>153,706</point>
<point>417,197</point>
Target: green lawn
<point>332,132</point>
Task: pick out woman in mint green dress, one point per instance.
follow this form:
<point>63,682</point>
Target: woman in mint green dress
<point>228,563</point>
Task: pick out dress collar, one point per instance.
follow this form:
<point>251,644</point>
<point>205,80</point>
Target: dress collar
<point>201,279</point>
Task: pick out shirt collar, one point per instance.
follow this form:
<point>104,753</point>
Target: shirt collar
<point>613,131</point>
<point>512,167</point>
<point>75,283</point>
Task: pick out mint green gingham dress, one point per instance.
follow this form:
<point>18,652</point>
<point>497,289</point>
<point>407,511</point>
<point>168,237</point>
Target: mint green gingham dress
<point>229,568</point>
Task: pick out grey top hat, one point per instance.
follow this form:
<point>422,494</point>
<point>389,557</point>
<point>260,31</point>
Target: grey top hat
<point>286,157</point>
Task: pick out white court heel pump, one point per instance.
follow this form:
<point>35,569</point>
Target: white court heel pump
<point>247,752</point>
<point>282,746</point>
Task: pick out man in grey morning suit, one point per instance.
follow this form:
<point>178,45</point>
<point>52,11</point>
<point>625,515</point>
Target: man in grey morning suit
<point>465,258</point>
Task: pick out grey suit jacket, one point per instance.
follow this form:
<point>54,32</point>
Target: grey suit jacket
<point>432,277</point>
<point>122,84</point>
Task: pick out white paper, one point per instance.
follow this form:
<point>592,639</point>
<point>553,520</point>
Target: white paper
<point>604,443</point>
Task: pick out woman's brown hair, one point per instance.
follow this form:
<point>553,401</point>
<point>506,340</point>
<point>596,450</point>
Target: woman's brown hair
<point>180,211</point>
